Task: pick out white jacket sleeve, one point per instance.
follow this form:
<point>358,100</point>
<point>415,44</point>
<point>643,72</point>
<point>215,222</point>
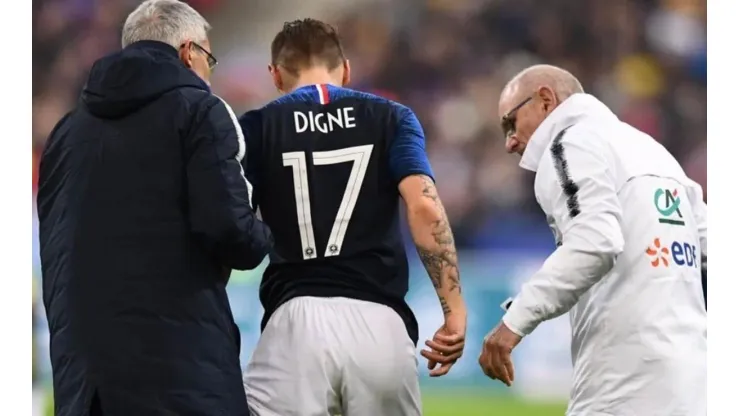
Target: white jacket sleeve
<point>579,193</point>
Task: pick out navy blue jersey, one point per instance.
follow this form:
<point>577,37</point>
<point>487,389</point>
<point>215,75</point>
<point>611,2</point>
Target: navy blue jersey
<point>325,163</point>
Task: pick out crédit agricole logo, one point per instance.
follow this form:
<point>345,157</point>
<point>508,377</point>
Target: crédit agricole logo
<point>667,202</point>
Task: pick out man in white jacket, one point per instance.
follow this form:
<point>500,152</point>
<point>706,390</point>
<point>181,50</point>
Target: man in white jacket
<point>630,229</point>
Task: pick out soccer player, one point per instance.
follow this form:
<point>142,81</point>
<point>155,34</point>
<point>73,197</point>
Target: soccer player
<point>631,229</point>
<point>328,165</point>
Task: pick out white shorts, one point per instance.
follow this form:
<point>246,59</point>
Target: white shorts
<point>333,356</point>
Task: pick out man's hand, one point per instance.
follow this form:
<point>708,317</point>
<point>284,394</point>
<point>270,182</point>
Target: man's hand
<point>495,358</point>
<point>446,347</point>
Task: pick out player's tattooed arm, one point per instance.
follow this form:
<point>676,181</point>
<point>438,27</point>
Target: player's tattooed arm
<point>433,237</point>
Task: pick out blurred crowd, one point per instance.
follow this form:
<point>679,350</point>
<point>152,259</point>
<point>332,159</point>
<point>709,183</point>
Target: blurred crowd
<point>448,60</point>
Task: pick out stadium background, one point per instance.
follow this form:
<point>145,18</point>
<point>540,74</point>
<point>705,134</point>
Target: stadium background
<point>446,59</point>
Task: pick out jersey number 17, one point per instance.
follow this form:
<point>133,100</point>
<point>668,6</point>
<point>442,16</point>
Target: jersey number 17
<point>360,158</point>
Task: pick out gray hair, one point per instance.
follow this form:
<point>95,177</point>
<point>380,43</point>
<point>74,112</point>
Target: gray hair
<point>170,21</point>
<point>561,81</point>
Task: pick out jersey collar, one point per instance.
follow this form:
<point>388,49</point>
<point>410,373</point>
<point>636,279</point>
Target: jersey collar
<point>573,109</point>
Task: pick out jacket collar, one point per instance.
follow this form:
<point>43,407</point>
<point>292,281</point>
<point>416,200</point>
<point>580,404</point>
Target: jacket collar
<point>154,45</point>
<point>574,109</point>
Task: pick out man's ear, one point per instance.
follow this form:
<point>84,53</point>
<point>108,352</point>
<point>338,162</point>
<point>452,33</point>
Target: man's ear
<point>277,77</point>
<point>548,98</point>
<point>186,54</point>
<point>346,78</point>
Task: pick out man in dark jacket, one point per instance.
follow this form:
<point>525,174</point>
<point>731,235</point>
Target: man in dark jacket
<point>143,210</point>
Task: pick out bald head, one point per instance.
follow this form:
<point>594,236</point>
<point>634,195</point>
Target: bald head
<point>562,82</point>
<point>529,98</point>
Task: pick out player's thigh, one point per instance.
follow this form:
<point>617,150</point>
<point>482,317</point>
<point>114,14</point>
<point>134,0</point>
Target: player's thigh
<point>381,376</point>
<point>290,371</point>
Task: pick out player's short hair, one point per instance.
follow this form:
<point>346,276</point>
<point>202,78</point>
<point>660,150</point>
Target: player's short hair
<point>306,43</point>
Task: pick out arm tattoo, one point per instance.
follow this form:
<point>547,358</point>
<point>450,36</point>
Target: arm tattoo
<point>441,260</point>
<point>445,307</point>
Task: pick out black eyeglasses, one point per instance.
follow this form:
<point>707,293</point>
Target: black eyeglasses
<point>212,61</point>
<point>508,122</point>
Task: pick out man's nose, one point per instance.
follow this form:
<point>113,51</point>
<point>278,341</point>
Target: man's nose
<point>511,143</point>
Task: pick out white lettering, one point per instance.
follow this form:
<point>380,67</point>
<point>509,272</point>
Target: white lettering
<point>297,117</point>
<point>349,121</point>
<point>324,122</point>
<point>311,121</point>
<point>321,125</point>
<point>335,119</point>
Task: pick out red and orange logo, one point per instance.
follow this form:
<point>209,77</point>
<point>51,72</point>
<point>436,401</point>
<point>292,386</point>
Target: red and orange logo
<point>657,253</point>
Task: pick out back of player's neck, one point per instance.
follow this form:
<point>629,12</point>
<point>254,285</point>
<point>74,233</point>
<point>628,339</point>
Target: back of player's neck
<point>315,78</point>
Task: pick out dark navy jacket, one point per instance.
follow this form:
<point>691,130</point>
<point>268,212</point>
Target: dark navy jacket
<point>326,162</point>
<point>143,209</point>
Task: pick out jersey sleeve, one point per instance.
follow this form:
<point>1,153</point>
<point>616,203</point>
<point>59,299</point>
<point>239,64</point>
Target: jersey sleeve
<point>218,193</point>
<point>407,152</point>
<point>581,196</point>
<point>251,124</point>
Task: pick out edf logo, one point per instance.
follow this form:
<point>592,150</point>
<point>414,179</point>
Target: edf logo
<point>682,254</point>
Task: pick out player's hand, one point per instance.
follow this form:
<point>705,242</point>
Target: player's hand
<point>495,358</point>
<point>446,347</point>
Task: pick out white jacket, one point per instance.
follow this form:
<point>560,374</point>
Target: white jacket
<point>630,229</point>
